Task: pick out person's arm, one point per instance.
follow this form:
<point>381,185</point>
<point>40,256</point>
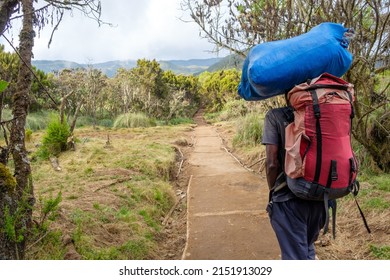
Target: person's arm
<point>272,165</point>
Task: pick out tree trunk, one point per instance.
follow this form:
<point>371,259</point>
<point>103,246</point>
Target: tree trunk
<point>64,99</point>
<point>75,116</point>
<point>17,205</point>
<point>7,8</point>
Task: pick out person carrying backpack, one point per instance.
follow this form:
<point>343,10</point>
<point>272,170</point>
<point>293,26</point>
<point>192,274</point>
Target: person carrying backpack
<point>297,222</point>
<point>310,162</point>
<point>309,158</point>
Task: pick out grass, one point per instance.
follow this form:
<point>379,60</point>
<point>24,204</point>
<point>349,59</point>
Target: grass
<point>376,203</point>
<point>380,252</point>
<point>131,120</point>
<point>380,182</point>
<point>113,198</point>
<point>176,121</point>
<point>249,130</point>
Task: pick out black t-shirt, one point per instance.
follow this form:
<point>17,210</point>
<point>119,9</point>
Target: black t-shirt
<point>275,124</point>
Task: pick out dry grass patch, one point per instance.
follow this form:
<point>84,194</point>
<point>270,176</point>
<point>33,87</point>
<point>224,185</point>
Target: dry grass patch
<point>113,197</point>
<point>353,242</point>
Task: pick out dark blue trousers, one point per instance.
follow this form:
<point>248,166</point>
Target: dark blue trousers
<point>297,224</point>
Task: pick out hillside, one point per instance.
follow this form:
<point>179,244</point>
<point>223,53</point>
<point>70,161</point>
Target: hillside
<point>187,67</point>
<point>228,62</point>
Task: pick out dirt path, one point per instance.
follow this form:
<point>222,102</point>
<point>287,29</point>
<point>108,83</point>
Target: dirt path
<point>226,219</point>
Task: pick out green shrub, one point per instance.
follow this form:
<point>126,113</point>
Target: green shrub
<point>8,180</point>
<point>3,85</point>
<point>133,120</point>
<point>29,133</point>
<point>55,139</point>
<point>249,131</point>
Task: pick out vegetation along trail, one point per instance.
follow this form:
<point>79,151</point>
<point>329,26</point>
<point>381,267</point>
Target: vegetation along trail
<point>226,216</point>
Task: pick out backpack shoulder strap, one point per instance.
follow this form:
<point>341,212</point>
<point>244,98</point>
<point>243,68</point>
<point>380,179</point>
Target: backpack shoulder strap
<point>289,114</point>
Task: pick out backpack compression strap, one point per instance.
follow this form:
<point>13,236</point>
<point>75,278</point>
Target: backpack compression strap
<point>332,171</point>
<point>317,114</point>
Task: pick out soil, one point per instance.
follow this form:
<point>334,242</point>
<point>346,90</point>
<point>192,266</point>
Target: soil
<point>221,214</point>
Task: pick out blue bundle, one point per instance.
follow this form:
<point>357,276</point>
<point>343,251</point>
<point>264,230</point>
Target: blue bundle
<point>275,67</point>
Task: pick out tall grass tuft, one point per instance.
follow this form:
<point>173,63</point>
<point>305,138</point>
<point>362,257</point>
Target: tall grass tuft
<point>133,120</point>
<point>37,121</point>
<point>7,114</point>
<point>106,122</point>
<point>249,131</point>
<point>83,121</point>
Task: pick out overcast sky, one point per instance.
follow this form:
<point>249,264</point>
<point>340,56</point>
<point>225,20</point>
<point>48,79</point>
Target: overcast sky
<point>149,29</point>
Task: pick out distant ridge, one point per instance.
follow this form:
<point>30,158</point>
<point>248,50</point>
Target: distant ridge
<point>231,61</point>
<point>187,67</point>
<point>55,65</point>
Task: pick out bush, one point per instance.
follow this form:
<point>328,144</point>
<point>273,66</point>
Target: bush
<point>133,120</point>
<point>234,109</point>
<point>83,121</point>
<point>250,130</point>
<point>28,134</point>
<point>106,122</point>
<point>55,139</point>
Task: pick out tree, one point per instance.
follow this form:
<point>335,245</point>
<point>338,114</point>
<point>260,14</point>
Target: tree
<point>127,91</point>
<point>219,87</point>
<point>7,9</point>
<point>17,200</point>
<point>238,25</point>
<point>42,93</point>
<point>96,81</point>
<point>16,204</point>
<point>150,85</point>
<point>183,98</point>
<point>42,83</point>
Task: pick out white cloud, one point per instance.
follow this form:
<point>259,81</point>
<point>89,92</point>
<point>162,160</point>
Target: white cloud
<point>143,29</point>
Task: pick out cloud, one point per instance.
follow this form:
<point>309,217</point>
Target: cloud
<point>141,29</point>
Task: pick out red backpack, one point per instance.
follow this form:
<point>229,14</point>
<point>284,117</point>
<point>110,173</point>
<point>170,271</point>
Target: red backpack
<point>320,163</point>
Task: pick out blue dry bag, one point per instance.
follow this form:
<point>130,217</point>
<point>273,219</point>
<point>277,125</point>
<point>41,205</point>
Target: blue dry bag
<point>275,67</point>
